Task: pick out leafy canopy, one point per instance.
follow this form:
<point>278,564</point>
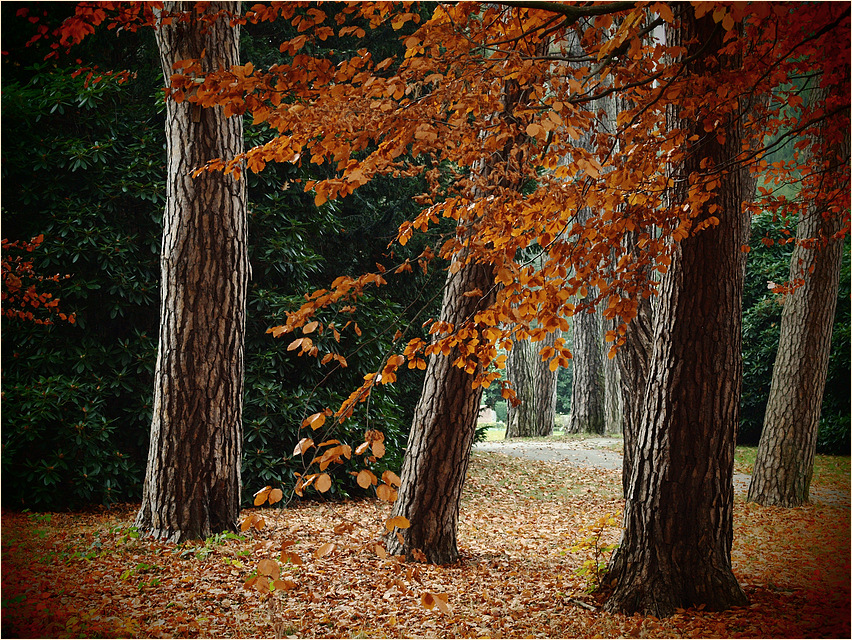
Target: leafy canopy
<point>489,103</point>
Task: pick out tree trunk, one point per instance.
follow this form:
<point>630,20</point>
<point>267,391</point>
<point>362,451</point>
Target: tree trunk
<point>588,414</point>
<point>678,517</point>
<point>633,360</point>
<point>785,456</point>
<point>587,388</point>
<point>192,482</point>
<point>535,386</point>
<point>441,437</point>
<point>613,401</point>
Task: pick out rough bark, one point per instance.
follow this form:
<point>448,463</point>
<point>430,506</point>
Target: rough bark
<point>192,482</point>
<point>785,455</point>
<point>633,358</point>
<point>535,386</point>
<point>441,436</point>
<point>678,518</point>
<point>588,414</point>
<point>587,382</point>
<point>613,400</point>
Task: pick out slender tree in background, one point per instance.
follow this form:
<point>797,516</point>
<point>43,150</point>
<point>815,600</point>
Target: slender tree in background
<point>535,386</point>
<point>785,456</point>
<point>676,546</point>
<point>587,389</point>
<point>192,481</point>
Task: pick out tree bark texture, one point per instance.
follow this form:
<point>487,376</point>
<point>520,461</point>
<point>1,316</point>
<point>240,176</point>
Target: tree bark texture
<point>613,401</point>
<point>588,413</point>
<point>441,436</point>
<point>535,386</point>
<point>678,518</point>
<point>192,482</point>
<point>587,388</point>
<point>633,358</point>
<point>785,455</point>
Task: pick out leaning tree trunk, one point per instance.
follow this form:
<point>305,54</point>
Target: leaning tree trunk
<point>442,432</point>
<point>678,518</point>
<point>192,482</point>
<point>535,386</point>
<point>785,456</point>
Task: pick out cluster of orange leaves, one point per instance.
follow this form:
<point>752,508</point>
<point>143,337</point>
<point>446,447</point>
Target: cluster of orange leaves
<point>20,294</point>
<point>367,117</point>
<point>486,97</point>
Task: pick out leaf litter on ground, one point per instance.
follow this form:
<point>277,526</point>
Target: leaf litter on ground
<point>521,532</point>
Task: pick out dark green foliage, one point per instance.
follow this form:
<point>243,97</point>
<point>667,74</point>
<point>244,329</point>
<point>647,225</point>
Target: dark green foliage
<point>761,328</point>
<point>84,165</point>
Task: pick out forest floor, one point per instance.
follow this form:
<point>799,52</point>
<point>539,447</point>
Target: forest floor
<point>521,535</point>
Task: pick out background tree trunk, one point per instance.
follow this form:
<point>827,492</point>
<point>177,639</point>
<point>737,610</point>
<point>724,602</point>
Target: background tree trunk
<point>192,482</point>
<point>613,400</point>
<point>535,386</point>
<point>678,518</point>
<point>587,388</point>
<point>441,435</point>
<point>785,455</point>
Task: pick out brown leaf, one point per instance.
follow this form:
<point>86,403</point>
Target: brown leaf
<point>267,567</point>
<point>262,584</point>
<point>323,483</point>
<point>366,478</point>
<point>324,550</point>
<point>275,496</point>
<point>442,600</point>
<point>386,493</point>
<point>285,584</point>
<point>304,445</point>
<point>400,522</point>
<point>260,496</point>
<point>391,478</point>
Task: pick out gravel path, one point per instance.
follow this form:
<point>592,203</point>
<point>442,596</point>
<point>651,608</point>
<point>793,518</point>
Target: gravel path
<point>603,453</point>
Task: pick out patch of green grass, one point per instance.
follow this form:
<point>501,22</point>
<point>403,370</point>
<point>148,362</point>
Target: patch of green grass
<point>828,470</point>
<point>495,434</point>
<point>832,470</point>
<point>744,459</point>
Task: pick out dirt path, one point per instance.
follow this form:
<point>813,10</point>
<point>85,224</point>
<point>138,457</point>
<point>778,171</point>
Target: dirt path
<point>604,453</point>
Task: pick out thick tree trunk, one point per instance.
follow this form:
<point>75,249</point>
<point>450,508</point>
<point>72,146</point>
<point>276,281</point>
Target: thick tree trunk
<point>633,358</point>
<point>192,482</point>
<point>441,435</point>
<point>535,386</point>
<point>587,382</point>
<point>785,456</point>
<point>678,518</point>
